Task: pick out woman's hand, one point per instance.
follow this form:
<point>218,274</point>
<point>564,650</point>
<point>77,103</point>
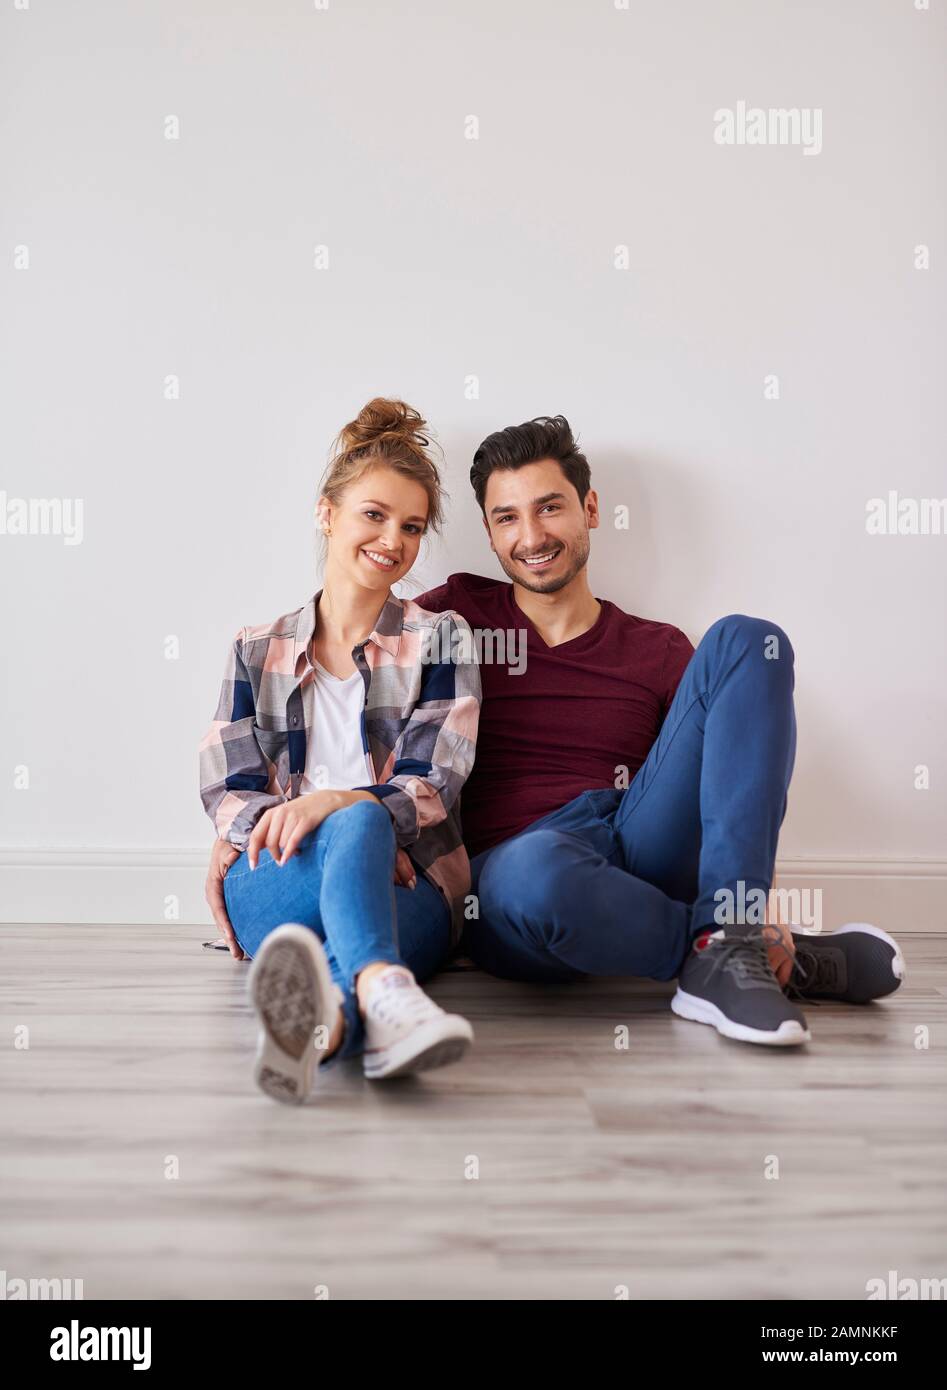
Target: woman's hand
<point>282,827</point>
<point>222,856</point>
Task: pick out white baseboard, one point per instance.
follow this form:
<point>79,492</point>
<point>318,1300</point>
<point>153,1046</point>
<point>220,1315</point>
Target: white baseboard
<point>149,887</point>
<point>898,895</point>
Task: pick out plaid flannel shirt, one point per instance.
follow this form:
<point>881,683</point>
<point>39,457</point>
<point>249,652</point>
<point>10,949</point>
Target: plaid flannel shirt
<point>418,726</point>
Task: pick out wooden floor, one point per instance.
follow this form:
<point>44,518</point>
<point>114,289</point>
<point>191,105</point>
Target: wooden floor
<point>598,1167</point>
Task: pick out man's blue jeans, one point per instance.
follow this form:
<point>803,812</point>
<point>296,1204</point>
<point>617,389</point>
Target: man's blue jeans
<point>341,884</point>
<point>620,882</point>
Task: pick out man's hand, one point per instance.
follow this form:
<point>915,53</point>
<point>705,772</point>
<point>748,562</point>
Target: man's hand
<point>405,876</point>
<point>222,856</point>
<point>781,950</point>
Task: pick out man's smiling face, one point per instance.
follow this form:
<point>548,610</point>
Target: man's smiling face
<point>538,528</point>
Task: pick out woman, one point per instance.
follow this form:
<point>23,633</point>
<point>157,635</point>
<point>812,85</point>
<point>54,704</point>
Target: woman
<point>344,733</point>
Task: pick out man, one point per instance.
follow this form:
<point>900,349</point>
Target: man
<point>626,800</point>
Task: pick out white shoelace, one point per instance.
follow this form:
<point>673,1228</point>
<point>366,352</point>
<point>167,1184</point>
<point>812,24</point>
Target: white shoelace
<point>398,998</point>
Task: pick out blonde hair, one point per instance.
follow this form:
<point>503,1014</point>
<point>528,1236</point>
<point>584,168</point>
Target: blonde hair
<point>385,432</point>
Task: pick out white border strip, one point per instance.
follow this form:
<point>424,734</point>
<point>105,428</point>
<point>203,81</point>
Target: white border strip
<point>149,887</point>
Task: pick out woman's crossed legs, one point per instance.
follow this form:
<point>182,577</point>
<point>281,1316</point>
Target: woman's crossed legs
<point>340,885</point>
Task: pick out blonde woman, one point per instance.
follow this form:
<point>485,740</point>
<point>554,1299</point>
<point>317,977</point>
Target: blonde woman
<point>332,772</point>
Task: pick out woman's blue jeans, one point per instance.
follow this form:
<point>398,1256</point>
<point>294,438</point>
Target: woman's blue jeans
<point>620,882</point>
<point>340,883</point>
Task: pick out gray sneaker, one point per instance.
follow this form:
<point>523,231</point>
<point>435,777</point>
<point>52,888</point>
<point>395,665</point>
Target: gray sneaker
<point>727,981</point>
<point>856,963</point>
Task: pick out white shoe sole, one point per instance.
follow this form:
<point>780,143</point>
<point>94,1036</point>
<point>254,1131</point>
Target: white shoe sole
<point>698,1010</point>
<point>433,1044</point>
<point>291,988</point>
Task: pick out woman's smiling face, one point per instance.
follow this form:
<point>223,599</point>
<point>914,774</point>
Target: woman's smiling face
<point>376,526</point>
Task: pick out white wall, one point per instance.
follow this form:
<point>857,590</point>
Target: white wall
<point>452,257</point>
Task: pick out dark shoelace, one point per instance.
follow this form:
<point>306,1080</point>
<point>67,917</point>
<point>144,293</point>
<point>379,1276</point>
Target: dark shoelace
<point>816,970</point>
<point>755,962</point>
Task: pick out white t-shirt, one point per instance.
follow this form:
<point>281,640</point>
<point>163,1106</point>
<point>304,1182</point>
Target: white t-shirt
<point>335,738</point>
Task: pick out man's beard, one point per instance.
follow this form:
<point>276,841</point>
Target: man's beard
<point>575,557</point>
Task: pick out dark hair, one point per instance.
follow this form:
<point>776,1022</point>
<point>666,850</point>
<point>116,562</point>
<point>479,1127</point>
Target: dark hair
<point>546,437</point>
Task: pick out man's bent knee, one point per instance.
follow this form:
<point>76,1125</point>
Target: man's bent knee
<point>524,874</point>
<point>758,635</point>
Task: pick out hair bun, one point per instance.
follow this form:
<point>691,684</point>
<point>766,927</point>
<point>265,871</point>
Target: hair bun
<point>386,433</point>
<point>383,418</point>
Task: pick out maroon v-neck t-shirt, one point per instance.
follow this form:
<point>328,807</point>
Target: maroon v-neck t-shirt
<point>576,713</point>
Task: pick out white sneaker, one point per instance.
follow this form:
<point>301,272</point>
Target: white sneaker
<point>405,1030</point>
<point>291,988</point>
